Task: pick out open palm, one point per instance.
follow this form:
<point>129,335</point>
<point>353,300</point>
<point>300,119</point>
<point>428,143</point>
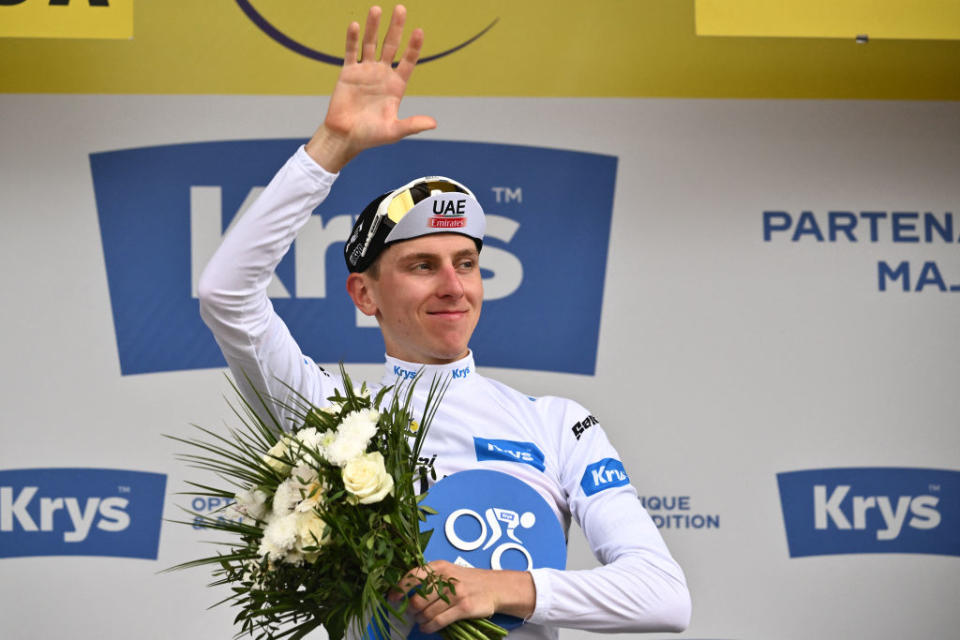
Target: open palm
<point>366,100</point>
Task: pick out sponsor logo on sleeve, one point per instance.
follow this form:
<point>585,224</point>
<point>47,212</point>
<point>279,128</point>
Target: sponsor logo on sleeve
<point>510,451</point>
<point>163,211</point>
<point>80,512</point>
<point>583,425</point>
<point>871,510</point>
<point>604,474</point>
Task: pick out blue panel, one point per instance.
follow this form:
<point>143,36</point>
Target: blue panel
<point>871,510</point>
<point>550,322</point>
<point>80,512</point>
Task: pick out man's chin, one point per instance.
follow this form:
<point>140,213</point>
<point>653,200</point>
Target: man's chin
<point>447,354</point>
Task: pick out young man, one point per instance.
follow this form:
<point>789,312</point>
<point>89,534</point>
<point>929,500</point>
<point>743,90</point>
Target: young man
<point>421,280</point>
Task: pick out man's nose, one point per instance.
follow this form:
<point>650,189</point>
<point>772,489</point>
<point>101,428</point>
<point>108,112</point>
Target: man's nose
<point>450,284</point>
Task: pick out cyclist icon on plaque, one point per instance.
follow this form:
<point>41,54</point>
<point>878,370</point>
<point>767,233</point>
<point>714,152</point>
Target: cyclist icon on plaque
<point>491,520</point>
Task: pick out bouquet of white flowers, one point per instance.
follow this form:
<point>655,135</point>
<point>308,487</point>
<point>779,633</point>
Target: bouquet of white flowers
<point>327,518</point>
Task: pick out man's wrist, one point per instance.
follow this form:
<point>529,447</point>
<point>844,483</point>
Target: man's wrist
<point>329,149</point>
<point>516,593</point>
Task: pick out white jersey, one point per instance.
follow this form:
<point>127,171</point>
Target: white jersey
<point>639,586</point>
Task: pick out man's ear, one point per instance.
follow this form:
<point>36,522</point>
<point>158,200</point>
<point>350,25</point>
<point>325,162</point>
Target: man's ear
<point>358,286</point>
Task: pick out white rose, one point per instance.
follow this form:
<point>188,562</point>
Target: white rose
<point>310,529</point>
<point>366,479</point>
<point>280,451</point>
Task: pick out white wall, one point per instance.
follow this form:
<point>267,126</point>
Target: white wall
<point>723,359</point>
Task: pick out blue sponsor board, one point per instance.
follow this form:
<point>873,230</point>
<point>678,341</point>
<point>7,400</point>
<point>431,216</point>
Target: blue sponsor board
<point>544,257</point>
<point>491,520</point>
<point>871,510</point>
<point>509,451</point>
<point>603,474</point>
<point>80,512</point>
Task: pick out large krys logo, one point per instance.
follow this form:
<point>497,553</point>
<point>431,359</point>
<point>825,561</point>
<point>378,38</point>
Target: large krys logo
<point>871,510</point>
<point>277,34</point>
<point>80,512</point>
<point>491,520</point>
<point>163,211</point>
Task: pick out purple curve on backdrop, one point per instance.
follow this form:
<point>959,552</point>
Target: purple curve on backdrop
<point>313,54</point>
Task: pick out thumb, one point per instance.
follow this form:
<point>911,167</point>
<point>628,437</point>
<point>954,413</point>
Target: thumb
<point>415,124</point>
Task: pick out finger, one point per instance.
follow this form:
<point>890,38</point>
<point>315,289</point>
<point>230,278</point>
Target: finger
<point>370,34</point>
<point>417,602</point>
<point>444,618</point>
<point>434,608</point>
<point>411,55</point>
<point>353,38</point>
<point>396,594</point>
<point>414,124</point>
<point>410,581</point>
<point>391,41</point>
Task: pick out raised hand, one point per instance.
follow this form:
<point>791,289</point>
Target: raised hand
<point>366,99</point>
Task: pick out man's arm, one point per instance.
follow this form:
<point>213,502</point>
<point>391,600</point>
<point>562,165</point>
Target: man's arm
<point>639,587</point>
<point>262,355</point>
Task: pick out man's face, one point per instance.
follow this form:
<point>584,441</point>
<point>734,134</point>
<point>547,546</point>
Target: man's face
<point>427,297</point>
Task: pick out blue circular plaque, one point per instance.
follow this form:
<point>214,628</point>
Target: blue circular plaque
<point>491,520</point>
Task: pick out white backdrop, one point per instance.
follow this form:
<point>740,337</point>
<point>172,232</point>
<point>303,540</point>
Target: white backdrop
<point>723,359</point>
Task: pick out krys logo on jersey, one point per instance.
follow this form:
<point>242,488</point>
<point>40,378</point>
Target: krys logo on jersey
<point>80,512</point>
<point>163,211</point>
<point>871,510</point>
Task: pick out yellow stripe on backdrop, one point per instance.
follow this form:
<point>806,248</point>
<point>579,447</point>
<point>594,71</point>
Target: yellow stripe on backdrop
<point>65,19</point>
<point>916,19</point>
<point>607,48</point>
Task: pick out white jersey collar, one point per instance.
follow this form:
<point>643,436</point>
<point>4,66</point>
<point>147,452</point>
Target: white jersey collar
<point>459,371</point>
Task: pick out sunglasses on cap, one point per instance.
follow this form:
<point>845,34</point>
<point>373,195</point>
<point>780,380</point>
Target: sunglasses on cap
<point>396,204</point>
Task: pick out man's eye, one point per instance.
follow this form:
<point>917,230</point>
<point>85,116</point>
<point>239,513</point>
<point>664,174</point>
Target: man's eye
<point>467,264</point>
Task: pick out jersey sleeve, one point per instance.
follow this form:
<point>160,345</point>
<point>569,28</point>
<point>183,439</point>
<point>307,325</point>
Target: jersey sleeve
<point>639,586</point>
<point>263,357</point>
